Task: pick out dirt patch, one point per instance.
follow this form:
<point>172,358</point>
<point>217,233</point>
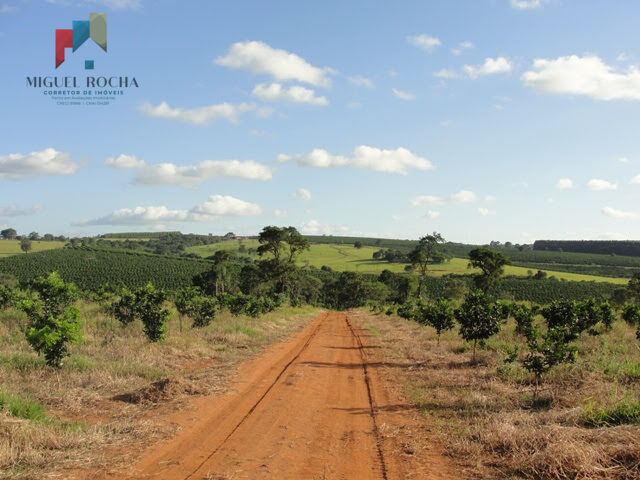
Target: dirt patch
<point>158,392</point>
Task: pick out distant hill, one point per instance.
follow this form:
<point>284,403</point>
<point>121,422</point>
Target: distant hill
<point>629,248</point>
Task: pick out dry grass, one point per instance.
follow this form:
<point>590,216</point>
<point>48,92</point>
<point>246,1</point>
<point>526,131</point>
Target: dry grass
<point>485,414</point>
<point>99,409</point>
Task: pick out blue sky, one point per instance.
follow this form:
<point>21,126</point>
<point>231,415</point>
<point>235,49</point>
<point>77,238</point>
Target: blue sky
<point>485,120</point>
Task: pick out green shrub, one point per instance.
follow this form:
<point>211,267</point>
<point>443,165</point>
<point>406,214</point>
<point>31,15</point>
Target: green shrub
<point>21,407</point>
<point>623,413</point>
<point>53,321</point>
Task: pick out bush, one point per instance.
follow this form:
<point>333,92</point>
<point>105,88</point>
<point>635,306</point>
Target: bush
<point>204,311</point>
<point>479,318</point>
<point>438,315</point>
<point>149,308</point>
<point>53,321</point>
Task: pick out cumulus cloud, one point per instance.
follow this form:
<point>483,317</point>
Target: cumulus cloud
<point>485,212</point>
<point>462,46</point>
<point>615,213</point>
<point>360,81</point>
<point>15,211</point>
<point>564,184</point>
<point>314,227</point>
<point>445,73</point>
<point>432,214</point>
<point>598,185</point>
<point>16,166</point>
<point>125,162</point>
<point>424,42</point>
<point>215,208</point>
<point>302,194</point>
<point>585,76</point>
<point>198,115</point>
<point>371,158</point>
<point>402,95</point>
<point>423,200</point>
<point>527,4</point>
<point>258,57</point>
<point>491,66</point>
<point>189,175</point>
<point>296,94</point>
<point>464,196</point>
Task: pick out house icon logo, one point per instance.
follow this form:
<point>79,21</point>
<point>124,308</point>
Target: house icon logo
<point>94,28</point>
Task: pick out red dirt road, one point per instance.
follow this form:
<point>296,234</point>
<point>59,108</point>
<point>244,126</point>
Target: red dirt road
<point>312,407</point>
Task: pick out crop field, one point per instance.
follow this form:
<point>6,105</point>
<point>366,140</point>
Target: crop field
<point>348,258</point>
<point>12,247</point>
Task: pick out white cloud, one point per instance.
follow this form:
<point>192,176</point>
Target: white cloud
<point>125,162</point>
<point>462,46</point>
<point>257,133</point>
<point>215,208</point>
<point>446,74</point>
<point>225,206</point>
<point>614,213</point>
<point>295,94</point>
<point>491,66</point>
<point>432,214</point>
<point>16,166</point>
<point>403,95</point>
<point>189,175</point>
<point>424,41</point>
<point>258,57</point>
<point>371,158</point>
<point>527,4</point>
<point>490,198</point>
<point>314,227</point>
<point>598,185</point>
<point>622,57</point>
<point>198,115</point>
<point>361,81</point>
<point>302,194</point>
<point>280,213</point>
<point>564,184</point>
<point>353,105</point>
<point>624,160</point>
<point>586,76</point>
<point>464,196</point>
<point>15,211</point>
<point>423,200</point>
<point>485,212</point>
<point>636,179</point>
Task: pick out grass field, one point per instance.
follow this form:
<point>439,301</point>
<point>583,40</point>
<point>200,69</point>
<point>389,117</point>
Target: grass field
<point>349,258</point>
<point>12,247</point>
<point>584,424</point>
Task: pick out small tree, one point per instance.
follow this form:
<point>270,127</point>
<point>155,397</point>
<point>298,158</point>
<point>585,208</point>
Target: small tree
<point>633,287</point>
<point>185,302</point>
<point>6,296</point>
<point>546,350</point>
<point>479,318</point>
<point>25,244</point>
<point>149,308</point>
<point>205,311</point>
<point>491,265</point>
<point>357,244</point>
<point>8,234</point>
<point>53,320</point>
<point>438,315</point>
<point>124,309</point>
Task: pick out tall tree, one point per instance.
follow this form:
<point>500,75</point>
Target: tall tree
<point>221,261</point>
<point>8,234</point>
<point>25,244</point>
<point>491,265</point>
<point>283,245</point>
<point>426,252</point>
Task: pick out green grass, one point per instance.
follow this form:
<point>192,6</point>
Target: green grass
<point>21,407</point>
<point>625,412</point>
<point>12,247</point>
<point>348,258</point>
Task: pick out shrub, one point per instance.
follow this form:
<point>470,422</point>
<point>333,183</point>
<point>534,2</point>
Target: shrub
<point>631,315</point>
<point>124,309</point>
<point>479,318</point>
<point>438,315</point>
<point>204,311</point>
<point>53,321</point>
<point>149,308</point>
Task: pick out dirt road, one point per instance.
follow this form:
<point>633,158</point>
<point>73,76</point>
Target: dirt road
<point>310,408</point>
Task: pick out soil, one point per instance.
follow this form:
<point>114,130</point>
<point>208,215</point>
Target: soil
<point>312,407</point>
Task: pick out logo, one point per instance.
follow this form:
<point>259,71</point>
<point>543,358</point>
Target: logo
<point>94,28</point>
